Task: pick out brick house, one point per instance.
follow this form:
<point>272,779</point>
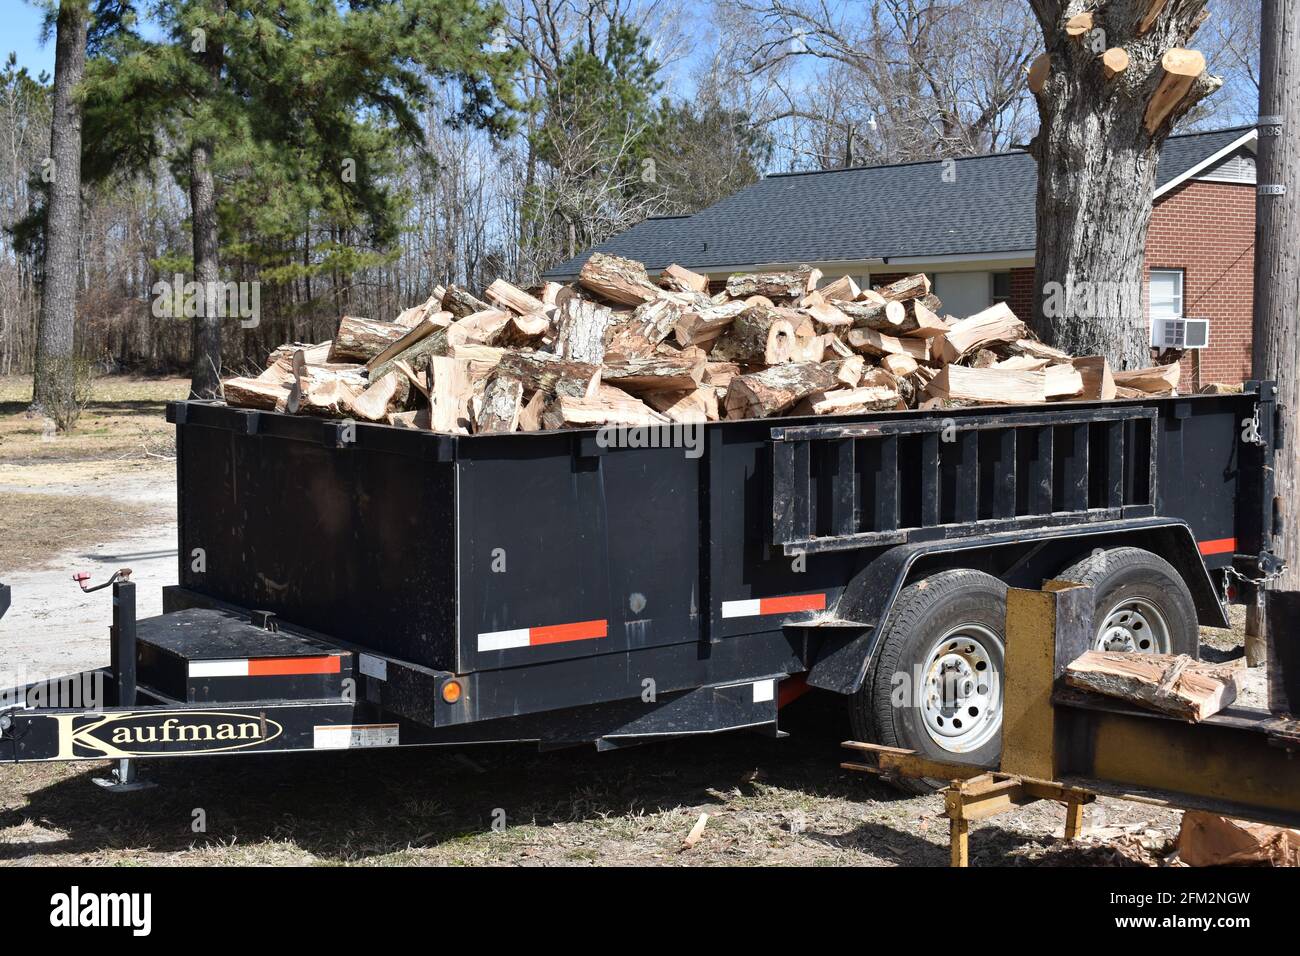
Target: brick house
<point>969,223</point>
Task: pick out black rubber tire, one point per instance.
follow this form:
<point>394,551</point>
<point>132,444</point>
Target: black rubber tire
<point>924,610</point>
<point>1120,574</point>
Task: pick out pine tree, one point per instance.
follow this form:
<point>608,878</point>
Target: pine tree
<point>267,112</point>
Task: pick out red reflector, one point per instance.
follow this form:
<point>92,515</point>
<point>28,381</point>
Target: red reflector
<point>1218,546</point>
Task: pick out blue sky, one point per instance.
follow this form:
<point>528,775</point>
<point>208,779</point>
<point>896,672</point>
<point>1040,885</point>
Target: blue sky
<point>20,32</point>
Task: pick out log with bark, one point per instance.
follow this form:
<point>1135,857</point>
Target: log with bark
<point>359,340</point>
<point>1175,684</point>
<point>618,280</point>
<point>759,335</point>
<point>774,285</point>
<point>997,323</point>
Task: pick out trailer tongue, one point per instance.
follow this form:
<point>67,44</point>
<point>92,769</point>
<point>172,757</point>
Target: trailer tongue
<point>350,585</point>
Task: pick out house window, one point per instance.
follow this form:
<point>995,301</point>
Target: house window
<point>1001,287</point>
<point>1165,293</point>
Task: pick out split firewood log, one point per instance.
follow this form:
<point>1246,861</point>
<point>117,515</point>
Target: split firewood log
<point>241,392</point>
<point>694,405</point>
<point>910,287</point>
<point>997,323</point>
<point>659,373</point>
<point>1174,684</point>
<point>871,342</point>
<point>992,386</point>
<point>416,314</point>
<point>541,370</point>
<point>460,303</point>
<point>760,334</point>
<point>1023,363</point>
<point>359,340</point>
<point>417,419</point>
<point>683,280</point>
<point>616,279</point>
<point>328,393</point>
<point>828,316</point>
<point>701,326</point>
<point>843,288</point>
<point>1062,381</point>
<point>380,397</point>
<point>449,392</point>
<point>1098,382</point>
<point>502,401</point>
<point>924,315</point>
<point>427,338</point>
<point>501,293</point>
<point>1036,349</point>
<point>888,317</point>
<point>1156,380</point>
<point>530,415</point>
<point>484,328</point>
<point>580,330</point>
<point>608,407</point>
<point>776,389</point>
<point>774,285</point>
<point>898,365</point>
<point>483,359</point>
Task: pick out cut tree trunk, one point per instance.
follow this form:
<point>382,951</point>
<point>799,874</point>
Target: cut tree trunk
<point>54,371</point>
<point>1096,177</point>
<point>684,280</point>
<point>989,386</point>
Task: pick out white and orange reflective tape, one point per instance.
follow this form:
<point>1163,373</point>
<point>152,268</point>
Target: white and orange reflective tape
<point>268,666</point>
<point>535,636</point>
<point>788,604</point>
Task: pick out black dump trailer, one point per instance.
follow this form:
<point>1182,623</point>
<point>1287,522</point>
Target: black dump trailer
<point>349,585</point>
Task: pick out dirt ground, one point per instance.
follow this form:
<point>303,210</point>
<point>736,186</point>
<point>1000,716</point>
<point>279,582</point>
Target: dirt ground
<point>104,498</point>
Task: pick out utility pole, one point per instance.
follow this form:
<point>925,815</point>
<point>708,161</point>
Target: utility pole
<point>1276,352</point>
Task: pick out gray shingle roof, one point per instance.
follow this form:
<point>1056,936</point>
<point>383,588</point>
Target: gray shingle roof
<point>984,206</point>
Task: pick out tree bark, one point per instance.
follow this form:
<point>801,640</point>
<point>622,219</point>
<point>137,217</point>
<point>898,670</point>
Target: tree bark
<point>205,371</point>
<point>1276,351</point>
<point>1096,175</point>
<point>54,342</point>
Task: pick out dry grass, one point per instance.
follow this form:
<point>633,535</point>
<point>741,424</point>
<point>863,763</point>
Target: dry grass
<point>35,527</point>
<point>125,419</point>
<point>770,802</point>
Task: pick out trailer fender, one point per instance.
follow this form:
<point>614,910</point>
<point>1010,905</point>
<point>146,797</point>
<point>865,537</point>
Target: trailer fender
<point>843,660</point>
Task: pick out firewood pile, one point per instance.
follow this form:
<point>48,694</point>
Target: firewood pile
<point>617,348</point>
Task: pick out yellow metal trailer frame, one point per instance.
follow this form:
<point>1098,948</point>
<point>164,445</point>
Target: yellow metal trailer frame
<point>1065,745</point>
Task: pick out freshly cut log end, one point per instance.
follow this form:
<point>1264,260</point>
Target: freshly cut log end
<point>1078,26</point>
<point>1180,69</point>
<point>1114,62</point>
<point>1038,72</point>
<point>618,280</point>
<point>843,289</point>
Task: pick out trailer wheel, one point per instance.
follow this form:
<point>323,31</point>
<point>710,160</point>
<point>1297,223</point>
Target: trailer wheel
<point>936,683</point>
<point>1142,604</point>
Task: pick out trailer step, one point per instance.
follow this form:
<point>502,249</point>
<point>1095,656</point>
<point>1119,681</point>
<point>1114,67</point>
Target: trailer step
<point>201,655</point>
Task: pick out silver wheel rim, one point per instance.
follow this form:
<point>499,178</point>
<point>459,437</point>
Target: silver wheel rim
<point>1134,626</point>
<point>961,688</point>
